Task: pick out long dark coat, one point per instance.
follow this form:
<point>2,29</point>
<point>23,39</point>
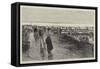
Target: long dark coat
<point>49,43</point>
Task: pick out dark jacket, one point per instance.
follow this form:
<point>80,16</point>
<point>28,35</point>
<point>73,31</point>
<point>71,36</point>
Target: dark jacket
<point>49,43</point>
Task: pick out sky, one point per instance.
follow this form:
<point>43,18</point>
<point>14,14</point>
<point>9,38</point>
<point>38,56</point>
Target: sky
<point>52,15</point>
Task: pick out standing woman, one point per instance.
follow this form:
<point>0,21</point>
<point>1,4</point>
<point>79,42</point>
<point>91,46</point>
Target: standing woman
<point>35,46</point>
<point>42,45</point>
<point>26,42</point>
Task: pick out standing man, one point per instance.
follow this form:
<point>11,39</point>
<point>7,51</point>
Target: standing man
<point>49,44</point>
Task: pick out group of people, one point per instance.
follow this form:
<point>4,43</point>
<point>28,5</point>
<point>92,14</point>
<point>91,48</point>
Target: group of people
<point>40,44</point>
